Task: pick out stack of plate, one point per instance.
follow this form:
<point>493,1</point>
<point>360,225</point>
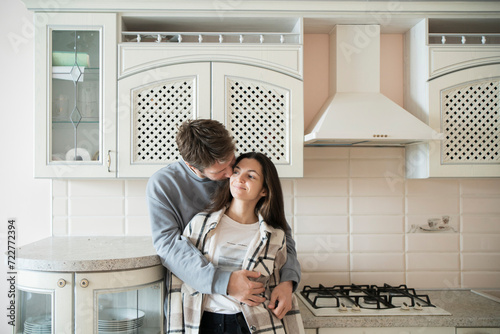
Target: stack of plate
<point>120,320</point>
<point>38,325</point>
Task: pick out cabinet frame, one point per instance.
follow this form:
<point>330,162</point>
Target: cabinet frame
<point>106,25</point>
<point>61,297</point>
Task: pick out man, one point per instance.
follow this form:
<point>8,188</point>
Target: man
<point>182,189</point>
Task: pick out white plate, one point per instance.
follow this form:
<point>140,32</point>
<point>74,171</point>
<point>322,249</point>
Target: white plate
<point>435,229</point>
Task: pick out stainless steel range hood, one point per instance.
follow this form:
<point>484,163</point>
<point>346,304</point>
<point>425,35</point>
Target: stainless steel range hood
<point>356,113</point>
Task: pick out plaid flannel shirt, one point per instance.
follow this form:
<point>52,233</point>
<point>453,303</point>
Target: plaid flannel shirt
<point>267,255</point>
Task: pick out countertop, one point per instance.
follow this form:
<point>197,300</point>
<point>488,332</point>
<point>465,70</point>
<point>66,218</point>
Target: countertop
<point>85,254</point>
<point>468,309</point>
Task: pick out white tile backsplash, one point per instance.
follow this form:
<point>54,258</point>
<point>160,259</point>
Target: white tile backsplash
<point>377,243</point>
<point>377,224</point>
<point>481,242</point>
<point>481,205</point>
<point>321,206</point>
<point>321,224</point>
<point>432,242</point>
<point>389,169</point>
<point>376,187</point>
<point>377,205</point>
<point>350,213</point>
<point>377,262</point>
<point>437,261</point>
<point>481,224</point>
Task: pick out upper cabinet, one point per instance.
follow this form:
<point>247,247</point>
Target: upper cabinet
<point>75,95</point>
<point>452,82</point>
<point>245,72</point>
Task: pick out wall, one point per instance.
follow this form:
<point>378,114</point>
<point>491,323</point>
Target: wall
<point>21,197</point>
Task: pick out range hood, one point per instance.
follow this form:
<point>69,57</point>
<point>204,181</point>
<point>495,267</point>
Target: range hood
<point>356,113</point>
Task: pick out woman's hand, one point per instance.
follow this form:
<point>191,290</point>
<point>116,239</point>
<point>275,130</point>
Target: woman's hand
<point>245,290</point>
<point>282,294</point>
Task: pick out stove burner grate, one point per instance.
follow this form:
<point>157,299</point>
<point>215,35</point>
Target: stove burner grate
<point>364,296</point>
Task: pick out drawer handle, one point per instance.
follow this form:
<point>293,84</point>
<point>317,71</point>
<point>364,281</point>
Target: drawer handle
<point>109,161</point>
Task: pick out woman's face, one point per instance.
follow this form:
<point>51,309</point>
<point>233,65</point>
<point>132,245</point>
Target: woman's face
<point>247,181</point>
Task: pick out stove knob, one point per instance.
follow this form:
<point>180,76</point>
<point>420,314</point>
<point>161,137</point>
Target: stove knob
<point>418,307</point>
<point>342,308</point>
<point>356,308</point>
<point>405,307</point>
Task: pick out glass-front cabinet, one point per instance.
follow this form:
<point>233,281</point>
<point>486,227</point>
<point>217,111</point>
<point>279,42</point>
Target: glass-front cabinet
<point>75,96</point>
<point>40,297</point>
<point>128,301</point>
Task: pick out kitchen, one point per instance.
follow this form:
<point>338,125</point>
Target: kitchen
<point>352,212</point>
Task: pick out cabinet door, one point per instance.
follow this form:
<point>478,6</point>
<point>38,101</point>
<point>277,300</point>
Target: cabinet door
<point>263,111</point>
<point>478,331</point>
<point>75,95</point>
<point>389,330</point>
<point>465,107</point>
<point>44,302</point>
<point>119,301</point>
<point>151,105</point>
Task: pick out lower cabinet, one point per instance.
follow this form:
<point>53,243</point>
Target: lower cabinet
<point>389,330</point>
<point>127,301</point>
<point>478,331</point>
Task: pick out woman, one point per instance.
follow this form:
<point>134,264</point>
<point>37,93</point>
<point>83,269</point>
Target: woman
<point>244,228</point>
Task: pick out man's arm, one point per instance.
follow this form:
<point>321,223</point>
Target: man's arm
<point>179,255</point>
<point>291,269</point>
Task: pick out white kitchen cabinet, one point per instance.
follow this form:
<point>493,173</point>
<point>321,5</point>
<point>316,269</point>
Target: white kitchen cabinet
<point>388,330</point>
<point>478,331</point>
<point>261,108</point>
<point>58,302</point>
<point>263,111</point>
<point>455,88</point>
<point>152,104</point>
<point>75,95</point>
<point>80,284</point>
<point>84,130</point>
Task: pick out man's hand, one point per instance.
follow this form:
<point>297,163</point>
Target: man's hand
<point>282,294</point>
<point>244,290</point>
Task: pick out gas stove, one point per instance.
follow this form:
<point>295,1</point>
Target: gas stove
<point>367,300</point>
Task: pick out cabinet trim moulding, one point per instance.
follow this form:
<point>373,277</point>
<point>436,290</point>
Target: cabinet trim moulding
<point>445,60</point>
<point>138,58</point>
<point>320,8</point>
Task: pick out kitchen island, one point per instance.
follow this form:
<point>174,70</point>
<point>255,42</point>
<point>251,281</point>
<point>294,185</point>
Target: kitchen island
<point>467,309</point>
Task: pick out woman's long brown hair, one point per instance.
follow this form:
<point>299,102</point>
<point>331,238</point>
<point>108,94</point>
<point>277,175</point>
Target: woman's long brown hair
<point>271,207</point>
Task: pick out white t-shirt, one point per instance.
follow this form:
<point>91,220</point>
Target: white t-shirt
<point>231,240</point>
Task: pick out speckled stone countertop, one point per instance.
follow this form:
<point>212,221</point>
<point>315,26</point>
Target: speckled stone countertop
<point>467,309</point>
<point>83,254</point>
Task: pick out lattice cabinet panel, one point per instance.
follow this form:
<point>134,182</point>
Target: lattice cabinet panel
<point>470,118</point>
<point>158,110</point>
<point>258,118</point>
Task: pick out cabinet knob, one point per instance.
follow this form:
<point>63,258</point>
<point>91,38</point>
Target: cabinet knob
<point>84,283</point>
<point>61,283</point>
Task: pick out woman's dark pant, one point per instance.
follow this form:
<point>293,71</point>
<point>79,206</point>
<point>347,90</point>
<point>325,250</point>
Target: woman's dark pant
<point>214,323</point>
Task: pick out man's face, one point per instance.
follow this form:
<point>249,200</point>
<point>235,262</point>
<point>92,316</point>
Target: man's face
<point>220,171</point>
